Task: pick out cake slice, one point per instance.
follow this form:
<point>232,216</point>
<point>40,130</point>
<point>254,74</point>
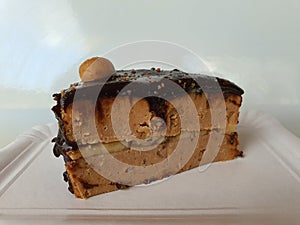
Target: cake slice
<point>107,147</point>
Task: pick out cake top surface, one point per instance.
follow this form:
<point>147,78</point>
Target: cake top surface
<point>153,82</point>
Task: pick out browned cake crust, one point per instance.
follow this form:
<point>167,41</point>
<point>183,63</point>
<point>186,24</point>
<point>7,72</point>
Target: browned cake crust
<point>83,180</point>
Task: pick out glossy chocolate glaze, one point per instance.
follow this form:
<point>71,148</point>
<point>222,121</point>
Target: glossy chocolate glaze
<point>152,80</point>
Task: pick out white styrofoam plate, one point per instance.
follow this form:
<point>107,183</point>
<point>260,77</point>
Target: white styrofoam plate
<point>264,185</point>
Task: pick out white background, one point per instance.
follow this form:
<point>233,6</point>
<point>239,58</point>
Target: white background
<point>255,43</point>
